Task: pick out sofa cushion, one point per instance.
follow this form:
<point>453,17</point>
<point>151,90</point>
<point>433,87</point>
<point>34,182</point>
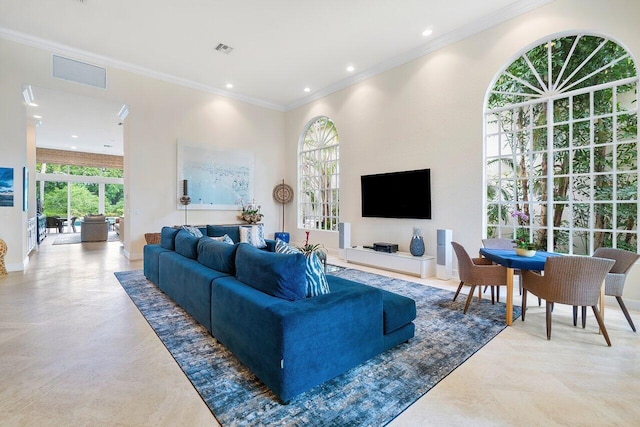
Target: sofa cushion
<point>218,256</point>
<point>314,271</point>
<point>253,235</point>
<point>187,245</point>
<point>220,230</point>
<point>168,238</point>
<point>279,275</point>
<point>397,310</point>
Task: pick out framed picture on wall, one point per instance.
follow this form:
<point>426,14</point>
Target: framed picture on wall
<point>6,187</point>
<point>25,189</point>
<point>215,179</point>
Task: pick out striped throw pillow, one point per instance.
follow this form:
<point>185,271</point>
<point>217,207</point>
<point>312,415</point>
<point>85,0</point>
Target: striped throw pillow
<point>253,235</point>
<point>314,271</point>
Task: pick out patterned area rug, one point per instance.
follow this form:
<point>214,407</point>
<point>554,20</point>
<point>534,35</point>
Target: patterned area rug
<point>371,394</point>
<point>72,238</point>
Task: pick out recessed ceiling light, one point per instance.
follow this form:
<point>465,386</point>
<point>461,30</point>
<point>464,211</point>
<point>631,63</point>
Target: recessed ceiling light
<point>306,89</point>
<point>229,85</point>
<point>73,147</point>
<point>350,68</point>
<point>37,117</point>
<point>74,136</point>
<point>32,104</point>
<point>427,32</point>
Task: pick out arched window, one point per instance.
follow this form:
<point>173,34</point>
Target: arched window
<point>561,146</point>
<point>318,176</point>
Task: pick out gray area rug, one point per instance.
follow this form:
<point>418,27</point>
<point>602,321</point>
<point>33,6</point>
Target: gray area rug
<point>371,394</point>
<point>72,238</point>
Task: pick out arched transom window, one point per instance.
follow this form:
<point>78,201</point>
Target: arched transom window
<point>318,176</point>
<point>561,146</point>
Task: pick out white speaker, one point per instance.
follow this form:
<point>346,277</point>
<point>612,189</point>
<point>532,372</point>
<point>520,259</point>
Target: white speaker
<point>344,231</point>
<point>444,255</point>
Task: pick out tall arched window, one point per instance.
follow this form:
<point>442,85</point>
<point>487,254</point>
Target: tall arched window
<point>561,144</point>
<point>318,176</point>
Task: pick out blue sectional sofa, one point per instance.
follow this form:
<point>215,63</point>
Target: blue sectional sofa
<point>252,301</point>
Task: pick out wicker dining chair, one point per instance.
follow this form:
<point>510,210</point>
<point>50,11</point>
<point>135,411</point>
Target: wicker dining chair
<point>477,272</point>
<point>614,282</point>
<point>499,243</point>
<point>571,280</point>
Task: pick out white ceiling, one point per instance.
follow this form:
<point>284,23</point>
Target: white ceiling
<point>279,47</point>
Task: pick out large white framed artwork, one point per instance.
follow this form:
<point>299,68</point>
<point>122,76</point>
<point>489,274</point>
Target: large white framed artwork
<point>216,179</point>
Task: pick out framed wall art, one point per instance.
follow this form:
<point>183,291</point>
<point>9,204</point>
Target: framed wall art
<point>215,179</point>
<point>6,187</point>
<point>25,189</point>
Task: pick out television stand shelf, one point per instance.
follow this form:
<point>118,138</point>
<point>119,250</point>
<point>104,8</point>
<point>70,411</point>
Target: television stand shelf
<point>403,262</point>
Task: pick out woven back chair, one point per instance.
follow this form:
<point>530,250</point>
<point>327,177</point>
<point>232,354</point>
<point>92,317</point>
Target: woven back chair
<point>477,272</point>
<point>498,243</point>
<point>614,283</point>
<point>571,280</point>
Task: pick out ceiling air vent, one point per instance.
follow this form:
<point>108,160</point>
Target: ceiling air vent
<point>79,72</point>
<point>224,48</point>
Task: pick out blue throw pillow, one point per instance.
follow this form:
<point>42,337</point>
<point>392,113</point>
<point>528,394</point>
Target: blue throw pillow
<point>314,271</point>
<point>279,275</point>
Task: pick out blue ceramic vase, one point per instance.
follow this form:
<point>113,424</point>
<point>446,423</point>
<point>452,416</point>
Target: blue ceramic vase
<point>417,243</point>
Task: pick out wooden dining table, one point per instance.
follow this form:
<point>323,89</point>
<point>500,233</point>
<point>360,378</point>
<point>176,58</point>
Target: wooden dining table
<point>509,259</point>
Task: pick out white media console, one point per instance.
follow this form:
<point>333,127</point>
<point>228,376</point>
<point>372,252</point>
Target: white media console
<point>404,262</point>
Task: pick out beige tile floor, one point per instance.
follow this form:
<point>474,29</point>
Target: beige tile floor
<point>74,350</point>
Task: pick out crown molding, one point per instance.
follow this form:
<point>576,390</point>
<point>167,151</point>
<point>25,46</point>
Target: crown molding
<point>435,44</point>
<point>447,39</point>
<point>61,49</point>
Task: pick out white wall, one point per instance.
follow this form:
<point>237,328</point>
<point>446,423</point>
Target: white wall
<point>428,114</point>
<point>160,115</point>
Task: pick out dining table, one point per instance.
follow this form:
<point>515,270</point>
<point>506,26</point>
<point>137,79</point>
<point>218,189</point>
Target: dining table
<point>512,261</point>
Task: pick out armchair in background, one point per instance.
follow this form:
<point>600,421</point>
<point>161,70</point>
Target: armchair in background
<point>95,228</point>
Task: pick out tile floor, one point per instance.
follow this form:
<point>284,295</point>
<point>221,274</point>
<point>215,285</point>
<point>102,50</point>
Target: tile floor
<point>74,350</point>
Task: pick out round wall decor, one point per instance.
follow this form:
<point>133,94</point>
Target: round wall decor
<point>283,193</point>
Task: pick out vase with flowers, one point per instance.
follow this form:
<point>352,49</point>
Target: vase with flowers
<point>250,212</point>
<point>523,246</point>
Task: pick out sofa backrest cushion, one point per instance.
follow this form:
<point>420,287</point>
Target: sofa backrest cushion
<point>220,230</point>
<point>218,256</point>
<point>279,275</point>
<point>94,218</point>
<point>186,244</point>
<point>168,238</point>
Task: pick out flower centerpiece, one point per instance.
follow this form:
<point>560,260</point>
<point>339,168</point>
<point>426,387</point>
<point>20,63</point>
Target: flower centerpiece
<point>250,212</point>
<point>523,246</point>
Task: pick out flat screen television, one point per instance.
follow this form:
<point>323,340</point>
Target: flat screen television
<point>405,194</point>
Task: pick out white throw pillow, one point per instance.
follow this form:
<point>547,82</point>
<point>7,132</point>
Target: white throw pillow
<point>253,235</point>
<point>224,239</point>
